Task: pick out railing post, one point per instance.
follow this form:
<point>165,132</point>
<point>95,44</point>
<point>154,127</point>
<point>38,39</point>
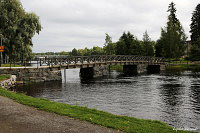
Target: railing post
<point>65,78</point>
<point>37,62</point>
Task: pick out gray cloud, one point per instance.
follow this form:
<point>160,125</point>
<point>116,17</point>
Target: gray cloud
<point>83,23</point>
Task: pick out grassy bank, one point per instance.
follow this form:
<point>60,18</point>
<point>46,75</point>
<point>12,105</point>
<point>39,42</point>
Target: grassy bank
<point>182,67</point>
<point>4,77</point>
<point>123,123</point>
<point>118,68</point>
<point>12,65</point>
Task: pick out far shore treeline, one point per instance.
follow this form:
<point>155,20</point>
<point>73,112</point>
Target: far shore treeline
<point>18,27</point>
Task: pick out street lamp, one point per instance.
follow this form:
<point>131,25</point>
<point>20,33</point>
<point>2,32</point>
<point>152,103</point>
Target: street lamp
<point>1,52</point>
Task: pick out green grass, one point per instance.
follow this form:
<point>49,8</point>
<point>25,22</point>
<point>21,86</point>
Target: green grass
<point>4,76</point>
<point>123,123</point>
<point>12,65</point>
<point>183,67</point>
<point>118,68</point>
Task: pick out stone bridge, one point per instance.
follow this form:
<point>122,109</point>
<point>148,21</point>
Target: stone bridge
<point>49,68</point>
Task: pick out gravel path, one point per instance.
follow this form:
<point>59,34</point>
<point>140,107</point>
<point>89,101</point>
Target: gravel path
<point>17,118</point>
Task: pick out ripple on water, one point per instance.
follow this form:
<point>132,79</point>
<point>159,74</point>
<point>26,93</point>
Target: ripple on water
<point>173,98</point>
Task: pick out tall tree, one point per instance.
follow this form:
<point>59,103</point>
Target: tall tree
<point>128,45</point>
<point>148,45</point>
<point>74,52</point>
<point>108,39</point>
<point>172,36</point>
<point>195,25</point>
<point>18,27</point>
<point>109,46</point>
<point>195,34</point>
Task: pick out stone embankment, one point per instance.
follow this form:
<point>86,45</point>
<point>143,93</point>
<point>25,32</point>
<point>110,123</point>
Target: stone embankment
<point>33,74</point>
<point>8,82</point>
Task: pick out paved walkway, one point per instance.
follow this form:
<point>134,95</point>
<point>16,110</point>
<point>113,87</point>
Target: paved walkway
<point>17,118</point>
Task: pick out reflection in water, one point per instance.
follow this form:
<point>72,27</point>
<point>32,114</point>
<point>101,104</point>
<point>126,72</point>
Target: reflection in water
<point>173,97</point>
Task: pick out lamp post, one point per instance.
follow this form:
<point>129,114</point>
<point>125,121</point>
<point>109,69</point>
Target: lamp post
<point>1,52</point>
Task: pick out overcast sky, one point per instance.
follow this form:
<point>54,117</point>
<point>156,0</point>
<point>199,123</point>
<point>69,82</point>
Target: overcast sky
<point>69,24</point>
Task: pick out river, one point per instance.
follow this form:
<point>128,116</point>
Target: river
<point>172,97</point>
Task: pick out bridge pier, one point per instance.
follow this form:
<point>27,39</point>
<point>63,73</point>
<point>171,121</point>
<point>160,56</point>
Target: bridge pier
<point>142,68</point>
<point>130,69</point>
<point>134,69</point>
<point>87,72</point>
<point>153,68</point>
<point>93,72</point>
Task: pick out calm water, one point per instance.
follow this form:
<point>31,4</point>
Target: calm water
<point>173,98</point>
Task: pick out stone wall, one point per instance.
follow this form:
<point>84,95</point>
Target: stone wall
<point>8,82</point>
<point>93,72</point>
<point>153,68</point>
<point>34,74</point>
<point>141,68</point>
<point>130,69</point>
<point>100,71</point>
<point>134,69</point>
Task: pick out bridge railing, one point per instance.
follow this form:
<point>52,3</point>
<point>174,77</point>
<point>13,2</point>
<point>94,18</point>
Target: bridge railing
<point>98,59</point>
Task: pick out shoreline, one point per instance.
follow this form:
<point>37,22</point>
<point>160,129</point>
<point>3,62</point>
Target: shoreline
<point>93,116</point>
<point>114,122</point>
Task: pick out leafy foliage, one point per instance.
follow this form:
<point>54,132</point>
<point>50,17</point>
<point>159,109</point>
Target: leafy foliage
<point>172,40</point>
<point>128,45</point>
<point>109,46</point>
<point>18,27</point>
<point>195,25</point>
<point>85,52</point>
<point>148,45</point>
<point>195,34</point>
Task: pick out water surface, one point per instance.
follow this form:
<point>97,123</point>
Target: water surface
<point>170,97</point>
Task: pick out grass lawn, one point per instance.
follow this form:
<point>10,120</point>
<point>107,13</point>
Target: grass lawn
<point>118,68</point>
<point>193,67</point>
<point>4,76</point>
<point>123,123</point>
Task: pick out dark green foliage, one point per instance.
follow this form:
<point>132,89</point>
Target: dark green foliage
<point>195,34</point>
<point>195,25</point>
<point>195,53</point>
<point>128,45</point>
<point>109,46</point>
<point>172,41</point>
<point>4,77</point>
<point>159,48</point>
<point>148,45</point>
<point>74,52</point>
<point>18,27</point>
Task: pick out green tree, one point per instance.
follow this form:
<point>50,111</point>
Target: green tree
<point>172,36</point>
<point>128,45</point>
<point>109,47</point>
<point>74,52</point>
<point>195,25</point>
<point>108,39</point>
<point>97,51</point>
<point>159,48</point>
<point>148,45</point>
<point>18,27</point>
<point>64,53</point>
<point>195,34</point>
